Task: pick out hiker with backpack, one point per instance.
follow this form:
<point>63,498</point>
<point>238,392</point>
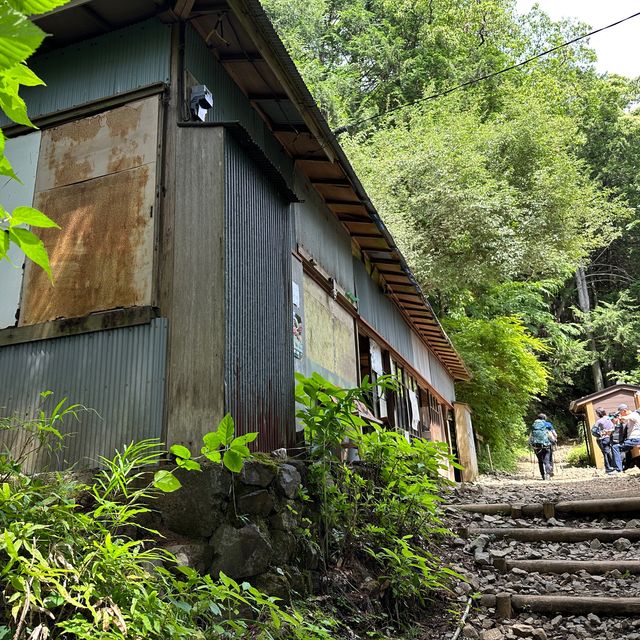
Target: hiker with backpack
<point>541,439</point>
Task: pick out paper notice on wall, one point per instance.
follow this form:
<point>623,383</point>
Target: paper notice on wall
<point>415,410</point>
<point>295,294</point>
<point>376,357</point>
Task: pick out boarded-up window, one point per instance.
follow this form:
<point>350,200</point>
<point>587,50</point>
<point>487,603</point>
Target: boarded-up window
<point>96,178</point>
<point>330,342</point>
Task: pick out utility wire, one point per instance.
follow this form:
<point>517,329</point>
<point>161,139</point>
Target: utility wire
<point>346,127</point>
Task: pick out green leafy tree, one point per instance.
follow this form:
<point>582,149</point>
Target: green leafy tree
<point>19,39</point>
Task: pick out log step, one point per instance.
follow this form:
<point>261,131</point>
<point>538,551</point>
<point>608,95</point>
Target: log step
<point>548,509</point>
<point>594,567</point>
<point>553,534</point>
<point>506,604</point>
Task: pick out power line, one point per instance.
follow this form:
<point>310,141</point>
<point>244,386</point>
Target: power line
<point>346,127</point>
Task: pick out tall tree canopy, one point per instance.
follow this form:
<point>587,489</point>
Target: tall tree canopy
<point>496,192</point>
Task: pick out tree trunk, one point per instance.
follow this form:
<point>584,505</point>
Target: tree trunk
<point>585,306</point>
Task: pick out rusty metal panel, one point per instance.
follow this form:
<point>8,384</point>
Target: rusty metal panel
<point>118,373</point>
<point>102,67</point>
<point>22,152</point>
<point>329,335</point>
<point>109,142</point>
<point>259,381</point>
<point>98,176</point>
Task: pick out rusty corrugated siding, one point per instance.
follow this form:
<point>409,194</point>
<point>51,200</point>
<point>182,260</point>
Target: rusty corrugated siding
<point>258,332</point>
<point>118,373</point>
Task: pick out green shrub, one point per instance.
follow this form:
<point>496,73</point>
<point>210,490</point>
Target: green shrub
<point>385,506</point>
<point>578,456</point>
<point>68,570</point>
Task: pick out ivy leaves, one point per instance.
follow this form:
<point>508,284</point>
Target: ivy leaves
<point>219,446</point>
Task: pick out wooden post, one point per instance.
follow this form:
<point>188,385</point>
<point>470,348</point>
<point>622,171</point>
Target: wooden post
<point>503,606</point>
<point>548,510</point>
<point>597,458</point>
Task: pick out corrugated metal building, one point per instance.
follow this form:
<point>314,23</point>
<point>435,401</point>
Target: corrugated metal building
<point>199,263</point>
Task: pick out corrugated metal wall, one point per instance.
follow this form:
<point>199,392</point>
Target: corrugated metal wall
<point>441,380</point>
<point>258,330</point>
<point>384,317</point>
<point>115,63</point>
<point>381,313</point>
<point>320,234</point>
<point>229,103</point>
<point>118,373</point>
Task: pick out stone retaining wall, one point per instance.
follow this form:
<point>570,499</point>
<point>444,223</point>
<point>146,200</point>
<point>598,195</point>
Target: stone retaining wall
<point>253,526</point>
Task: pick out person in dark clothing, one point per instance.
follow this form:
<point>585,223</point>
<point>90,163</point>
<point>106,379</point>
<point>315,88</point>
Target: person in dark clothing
<point>602,430</point>
<point>540,440</point>
<point>618,436</point>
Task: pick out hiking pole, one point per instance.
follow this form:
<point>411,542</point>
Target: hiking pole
<point>533,464</point>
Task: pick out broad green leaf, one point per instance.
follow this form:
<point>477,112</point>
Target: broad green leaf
<point>33,248</point>
<point>19,37</point>
<point>246,438</point>
<point>212,454</point>
<point>166,481</point>
<point>212,440</point>
<point>240,449</point>
<point>7,170</point>
<point>189,465</point>
<point>36,7</point>
<point>21,74</point>
<point>11,103</point>
<point>226,429</point>
<point>32,217</point>
<point>232,460</point>
<point>180,451</point>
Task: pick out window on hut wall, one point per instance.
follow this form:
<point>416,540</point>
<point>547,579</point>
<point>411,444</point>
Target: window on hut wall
<point>371,365</point>
<point>436,418</point>
<point>96,177</point>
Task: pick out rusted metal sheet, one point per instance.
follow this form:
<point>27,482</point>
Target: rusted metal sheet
<point>113,141</point>
<point>97,180</point>
<point>259,383</point>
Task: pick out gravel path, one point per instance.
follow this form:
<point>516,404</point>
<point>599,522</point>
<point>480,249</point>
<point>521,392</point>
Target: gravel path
<point>474,556</point>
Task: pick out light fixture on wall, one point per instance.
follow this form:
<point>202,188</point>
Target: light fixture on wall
<point>201,101</point>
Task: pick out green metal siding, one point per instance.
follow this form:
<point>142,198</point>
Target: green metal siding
<point>229,103</point>
<point>118,62</point>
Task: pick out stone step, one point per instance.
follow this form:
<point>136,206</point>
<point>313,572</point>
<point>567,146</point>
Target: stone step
<point>550,509</point>
<point>506,604</point>
<point>552,534</point>
<point>594,567</point>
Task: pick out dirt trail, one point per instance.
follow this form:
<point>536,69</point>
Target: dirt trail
<point>551,573</point>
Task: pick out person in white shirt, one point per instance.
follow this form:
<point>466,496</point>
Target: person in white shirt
<point>631,420</point>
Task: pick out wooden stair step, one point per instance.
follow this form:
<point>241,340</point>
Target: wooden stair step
<point>553,534</point>
<point>595,567</point>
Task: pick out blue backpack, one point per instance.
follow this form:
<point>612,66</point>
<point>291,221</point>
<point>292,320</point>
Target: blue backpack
<point>539,434</point>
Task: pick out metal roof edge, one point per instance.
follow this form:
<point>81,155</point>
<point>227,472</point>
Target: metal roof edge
<point>301,96</point>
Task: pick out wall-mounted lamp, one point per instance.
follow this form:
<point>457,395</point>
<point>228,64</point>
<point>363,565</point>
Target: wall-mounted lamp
<point>201,101</point>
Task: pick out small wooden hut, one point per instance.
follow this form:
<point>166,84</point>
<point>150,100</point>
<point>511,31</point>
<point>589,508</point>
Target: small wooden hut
<point>609,399</point>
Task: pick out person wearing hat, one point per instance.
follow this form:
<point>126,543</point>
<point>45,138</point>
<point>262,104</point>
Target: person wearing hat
<point>602,431</point>
<point>631,420</point>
